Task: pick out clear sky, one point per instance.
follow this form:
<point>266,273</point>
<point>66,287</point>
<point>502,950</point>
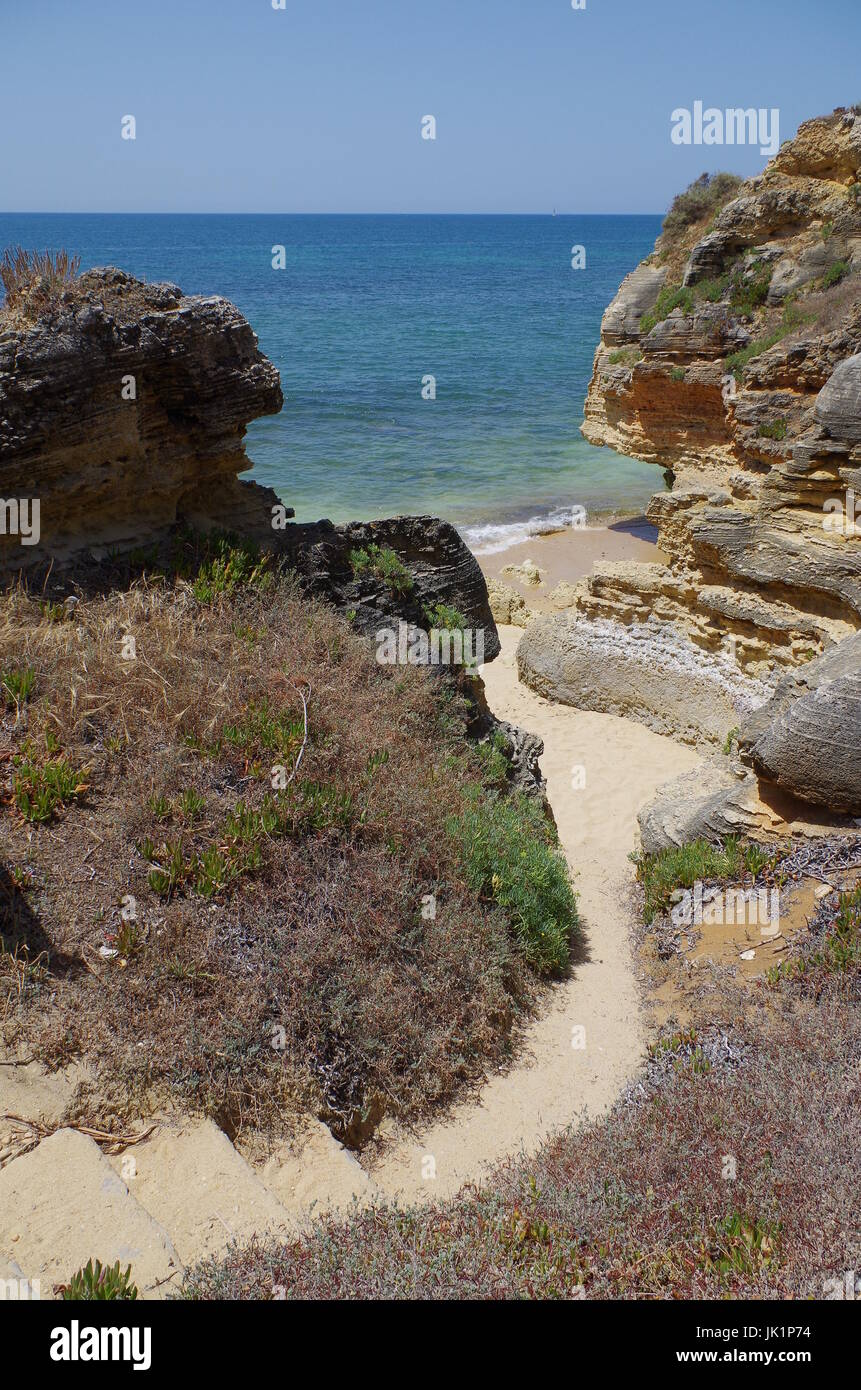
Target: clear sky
<point>317,107</point>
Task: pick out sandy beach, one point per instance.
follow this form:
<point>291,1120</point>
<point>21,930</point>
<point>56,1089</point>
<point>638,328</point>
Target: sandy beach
<point>566,556</point>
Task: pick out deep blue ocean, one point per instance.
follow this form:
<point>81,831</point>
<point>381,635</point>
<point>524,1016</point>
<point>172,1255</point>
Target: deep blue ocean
<point>365,309</point>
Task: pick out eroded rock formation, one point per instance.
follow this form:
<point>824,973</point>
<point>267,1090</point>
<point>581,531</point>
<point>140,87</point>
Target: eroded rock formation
<point>123,410</point>
<point>731,356</point>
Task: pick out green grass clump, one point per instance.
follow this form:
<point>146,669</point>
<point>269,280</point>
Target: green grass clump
<point>840,952</point>
<point>232,565</point>
<point>16,685</point>
<point>508,852</point>
<point>97,1282</point>
<point>385,565</point>
<point>684,865</point>
<point>741,1245</point>
<point>444,619</point>
<point>677,374</point>
<point>624,357</point>
<point>40,789</point>
<point>669,299</point>
<point>835,273</point>
<point>264,729</point>
<point>713,290</point>
<point>750,295</point>
<point>237,850</point>
<point>776,429</point>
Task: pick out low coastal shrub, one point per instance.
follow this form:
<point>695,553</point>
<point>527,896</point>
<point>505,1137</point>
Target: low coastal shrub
<point>684,865</point>
<point>699,201</point>
<point>385,565</point>
<point>835,273</point>
<point>444,618</point>
<point>509,854</point>
<point>775,429</point>
<point>224,890</point>
<point>640,1204</point>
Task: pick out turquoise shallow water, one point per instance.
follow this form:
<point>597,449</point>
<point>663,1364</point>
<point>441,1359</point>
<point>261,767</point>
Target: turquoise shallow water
<point>366,308</point>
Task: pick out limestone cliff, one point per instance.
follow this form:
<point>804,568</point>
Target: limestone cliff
<point>750,391</point>
<point>122,410</point>
<point>732,357</point>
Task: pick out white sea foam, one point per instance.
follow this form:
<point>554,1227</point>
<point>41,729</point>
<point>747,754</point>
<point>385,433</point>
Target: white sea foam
<point>491,537</point>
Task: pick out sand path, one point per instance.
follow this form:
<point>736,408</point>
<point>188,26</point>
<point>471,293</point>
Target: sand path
<point>554,1082</point>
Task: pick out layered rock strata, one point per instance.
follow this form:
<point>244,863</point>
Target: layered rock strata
<point>122,411</point>
<point>732,357</point>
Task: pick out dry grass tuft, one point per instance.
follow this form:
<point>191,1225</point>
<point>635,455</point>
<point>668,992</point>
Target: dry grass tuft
<point>35,280</point>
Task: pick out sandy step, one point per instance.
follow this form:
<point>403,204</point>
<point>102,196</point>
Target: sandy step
<point>316,1176</point>
<point>62,1204</point>
<point>32,1093</point>
<point>190,1178</point>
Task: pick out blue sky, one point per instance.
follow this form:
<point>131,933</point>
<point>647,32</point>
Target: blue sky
<point>317,108</point>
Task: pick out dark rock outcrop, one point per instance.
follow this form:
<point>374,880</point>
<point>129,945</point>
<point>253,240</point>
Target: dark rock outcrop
<point>442,570</point>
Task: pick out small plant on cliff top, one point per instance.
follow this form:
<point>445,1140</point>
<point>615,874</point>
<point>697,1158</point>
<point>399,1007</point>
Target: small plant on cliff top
<point>705,195</point>
<point>382,562</point>
<point>34,280</point>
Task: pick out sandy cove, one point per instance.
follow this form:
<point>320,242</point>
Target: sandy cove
<point>553,1082</point>
<point>567,556</point>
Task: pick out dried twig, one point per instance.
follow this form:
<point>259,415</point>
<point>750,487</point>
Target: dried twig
<point>30,1134</point>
